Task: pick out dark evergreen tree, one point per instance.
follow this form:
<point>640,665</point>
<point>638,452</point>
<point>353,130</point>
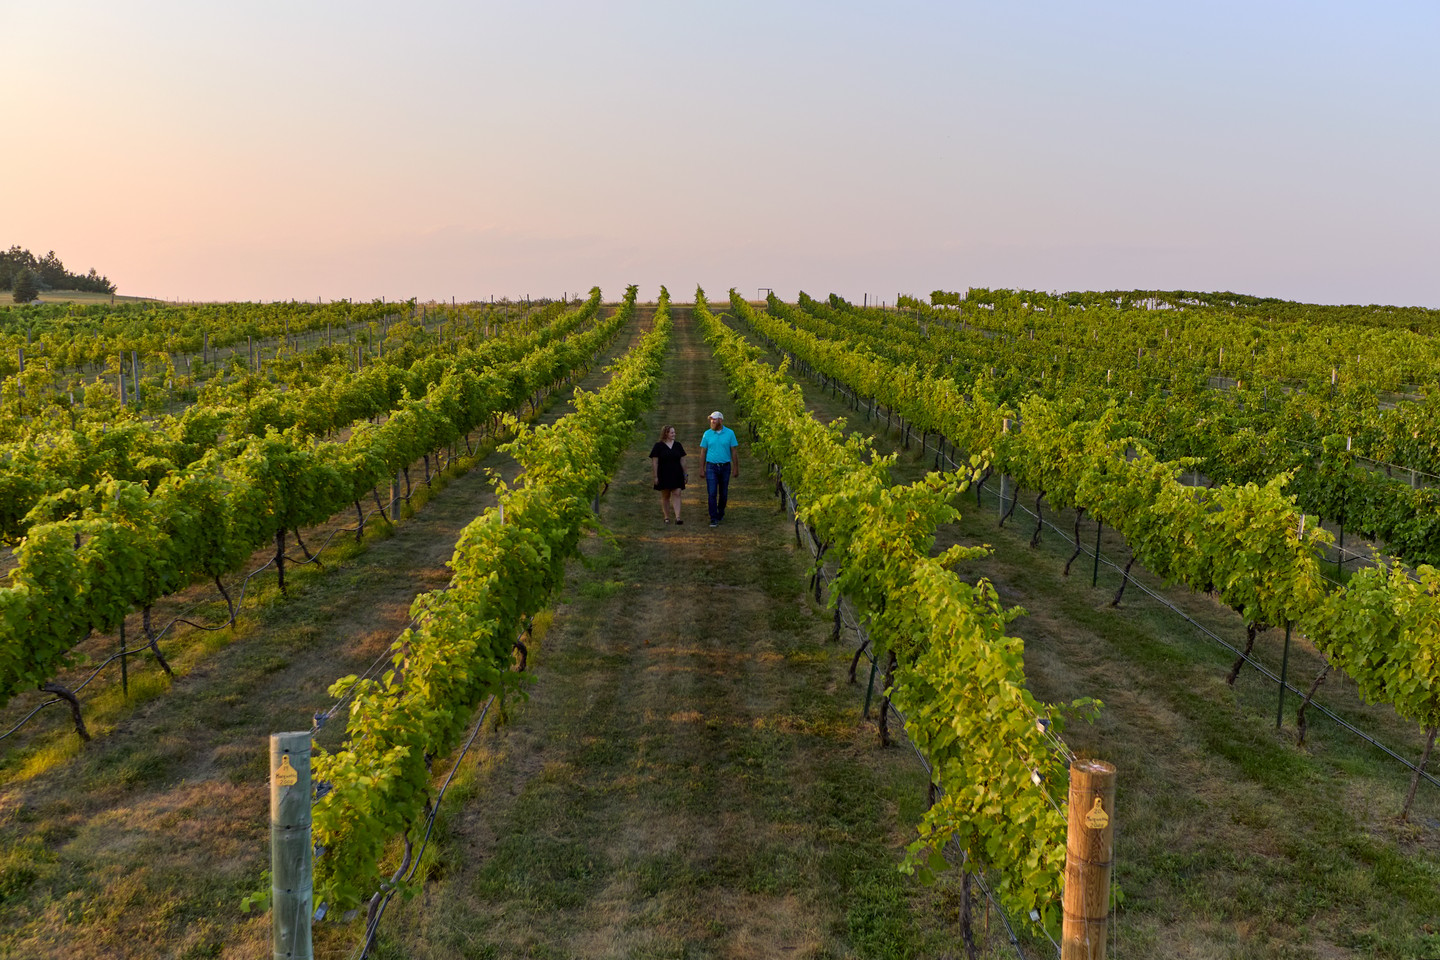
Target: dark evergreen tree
<point>13,262</point>
<point>26,286</point>
<point>52,272</point>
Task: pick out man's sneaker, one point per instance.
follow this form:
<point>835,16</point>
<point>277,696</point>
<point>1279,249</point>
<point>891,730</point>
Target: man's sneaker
<point>714,523</point>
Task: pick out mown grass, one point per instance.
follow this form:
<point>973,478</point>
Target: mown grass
<point>691,776</point>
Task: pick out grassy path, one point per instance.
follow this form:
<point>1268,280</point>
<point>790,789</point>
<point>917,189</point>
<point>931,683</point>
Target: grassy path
<point>690,777</point>
<point>143,844</point>
<point>1232,842</point>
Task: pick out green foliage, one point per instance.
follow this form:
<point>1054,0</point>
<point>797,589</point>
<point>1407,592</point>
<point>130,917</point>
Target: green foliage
<point>95,551</point>
<point>960,680</point>
<point>508,563</point>
<point>1199,376</point>
<point>1246,541</point>
<point>499,373</point>
<point>1384,631</point>
<point>260,899</point>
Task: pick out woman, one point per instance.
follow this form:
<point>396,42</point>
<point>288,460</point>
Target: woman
<point>667,462</point>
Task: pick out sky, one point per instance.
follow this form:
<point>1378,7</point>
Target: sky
<point>263,150</point>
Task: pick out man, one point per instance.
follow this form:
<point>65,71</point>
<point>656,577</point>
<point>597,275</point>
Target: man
<point>722,461</point>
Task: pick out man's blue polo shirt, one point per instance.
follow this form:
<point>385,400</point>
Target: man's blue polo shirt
<point>717,445</point>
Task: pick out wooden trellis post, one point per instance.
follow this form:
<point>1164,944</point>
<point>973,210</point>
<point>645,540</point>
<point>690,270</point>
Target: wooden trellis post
<point>1089,854</point>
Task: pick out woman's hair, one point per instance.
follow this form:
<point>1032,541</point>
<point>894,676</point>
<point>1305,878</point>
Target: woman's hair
<point>664,430</point>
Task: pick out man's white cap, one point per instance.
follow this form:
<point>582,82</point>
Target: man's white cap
<point>717,415</point>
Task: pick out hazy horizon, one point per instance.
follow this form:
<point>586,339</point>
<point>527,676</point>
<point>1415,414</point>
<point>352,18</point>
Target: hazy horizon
<point>346,151</point>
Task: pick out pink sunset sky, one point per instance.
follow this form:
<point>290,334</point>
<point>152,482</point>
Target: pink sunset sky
<point>266,150</point>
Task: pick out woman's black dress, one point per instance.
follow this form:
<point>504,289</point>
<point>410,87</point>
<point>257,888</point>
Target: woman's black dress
<point>672,474</point>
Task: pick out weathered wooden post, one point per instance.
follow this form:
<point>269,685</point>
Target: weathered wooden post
<point>1089,854</point>
<point>290,846</point>
<point>395,499</point>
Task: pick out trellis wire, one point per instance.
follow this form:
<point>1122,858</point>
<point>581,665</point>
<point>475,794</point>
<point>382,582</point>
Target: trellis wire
<point>1259,667</point>
<point>372,927</point>
<point>181,618</point>
<point>145,650</point>
<point>373,924</point>
<point>1379,463</point>
<point>1345,556</point>
<point>849,619</point>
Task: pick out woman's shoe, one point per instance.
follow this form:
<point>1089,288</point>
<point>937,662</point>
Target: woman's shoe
<point>678,521</point>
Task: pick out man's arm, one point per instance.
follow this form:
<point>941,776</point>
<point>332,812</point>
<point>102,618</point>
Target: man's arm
<point>735,461</point>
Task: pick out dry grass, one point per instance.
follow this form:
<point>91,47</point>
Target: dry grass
<point>76,296</point>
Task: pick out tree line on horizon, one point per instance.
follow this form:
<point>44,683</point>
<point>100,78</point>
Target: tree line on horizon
<point>25,275</point>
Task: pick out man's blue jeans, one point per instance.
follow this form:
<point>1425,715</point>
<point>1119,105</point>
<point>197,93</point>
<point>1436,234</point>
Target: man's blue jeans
<point>717,485</point>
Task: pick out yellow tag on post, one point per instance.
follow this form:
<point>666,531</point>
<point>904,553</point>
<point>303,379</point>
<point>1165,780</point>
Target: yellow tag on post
<point>1097,818</point>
